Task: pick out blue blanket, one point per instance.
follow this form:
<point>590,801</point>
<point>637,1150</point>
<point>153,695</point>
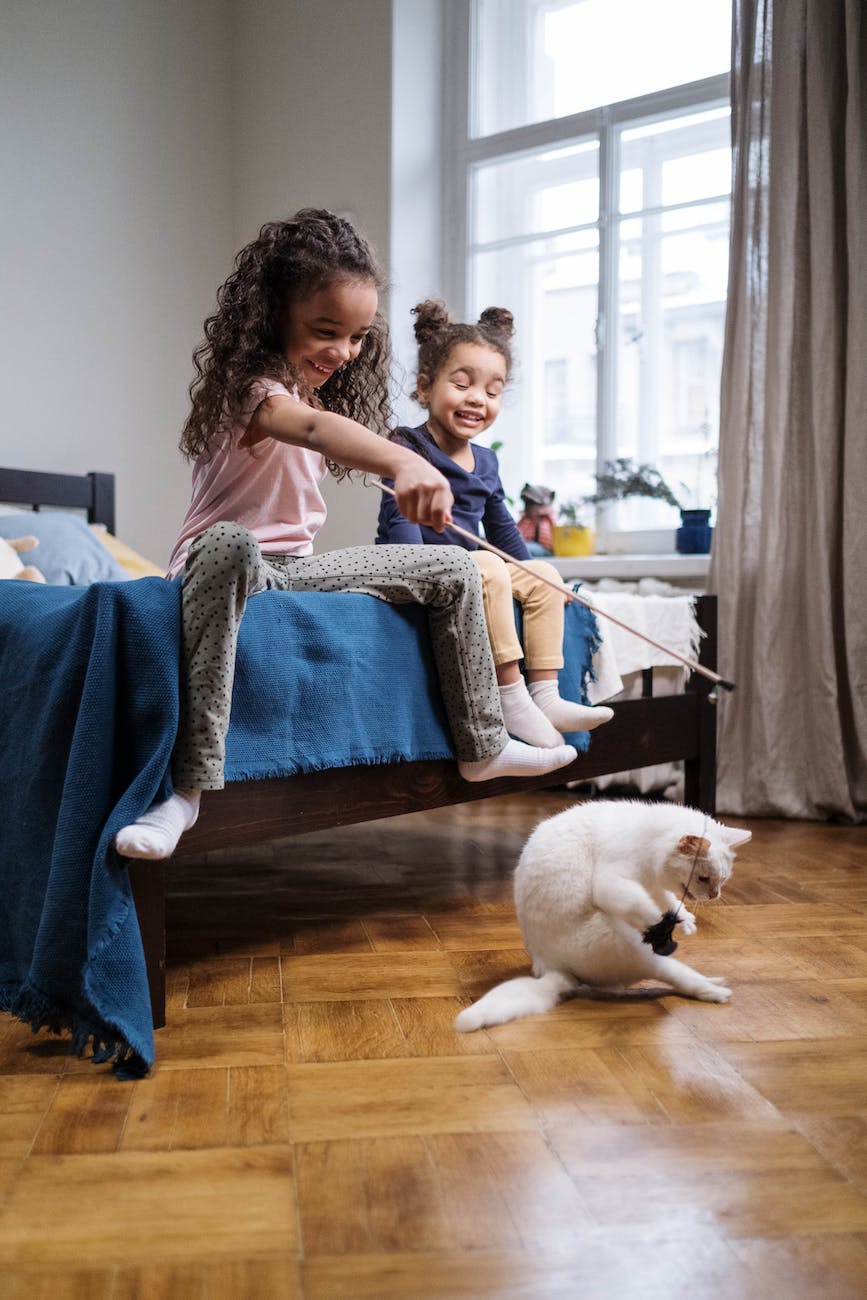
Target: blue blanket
<point>88,725</point>
<point>314,671</point>
<point>89,718</point>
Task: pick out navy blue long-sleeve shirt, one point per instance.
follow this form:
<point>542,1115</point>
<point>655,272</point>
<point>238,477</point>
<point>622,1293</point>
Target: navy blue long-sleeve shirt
<point>480,501</point>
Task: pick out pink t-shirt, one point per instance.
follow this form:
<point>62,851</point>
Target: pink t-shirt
<point>271,488</point>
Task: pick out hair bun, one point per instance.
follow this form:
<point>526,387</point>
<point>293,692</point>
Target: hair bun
<point>432,315</point>
<point>499,320</point>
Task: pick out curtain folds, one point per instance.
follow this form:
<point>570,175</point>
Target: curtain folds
<point>789,563</point>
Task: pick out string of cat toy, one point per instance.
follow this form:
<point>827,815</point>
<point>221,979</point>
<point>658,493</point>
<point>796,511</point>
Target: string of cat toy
<point>569,596</point>
<point>661,935</point>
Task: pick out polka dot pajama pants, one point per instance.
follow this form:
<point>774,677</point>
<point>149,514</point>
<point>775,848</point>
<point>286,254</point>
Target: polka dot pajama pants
<point>225,567</point>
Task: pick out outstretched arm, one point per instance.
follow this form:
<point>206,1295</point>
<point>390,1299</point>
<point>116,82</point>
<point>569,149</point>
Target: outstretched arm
<point>423,493</point>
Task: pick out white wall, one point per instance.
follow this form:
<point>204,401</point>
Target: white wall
<point>114,230</point>
<point>143,143</point>
<point>312,128</point>
<point>417,168</point>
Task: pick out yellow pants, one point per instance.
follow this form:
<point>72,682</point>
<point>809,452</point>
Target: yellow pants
<point>543,611</point>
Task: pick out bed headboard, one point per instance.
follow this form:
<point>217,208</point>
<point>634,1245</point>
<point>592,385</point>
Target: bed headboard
<point>93,493</point>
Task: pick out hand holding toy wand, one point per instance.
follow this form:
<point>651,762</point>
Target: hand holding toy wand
<point>569,596</point>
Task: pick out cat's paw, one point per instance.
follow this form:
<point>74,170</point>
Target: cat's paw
<point>713,990</point>
<point>687,921</point>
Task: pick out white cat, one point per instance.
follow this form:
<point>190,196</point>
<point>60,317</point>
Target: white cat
<point>598,892</point>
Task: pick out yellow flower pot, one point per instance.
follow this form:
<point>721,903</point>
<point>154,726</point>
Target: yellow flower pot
<point>570,539</point>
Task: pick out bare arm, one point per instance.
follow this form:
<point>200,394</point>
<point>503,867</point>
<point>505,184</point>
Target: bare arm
<point>423,493</point>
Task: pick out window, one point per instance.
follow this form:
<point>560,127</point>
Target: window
<point>589,193</point>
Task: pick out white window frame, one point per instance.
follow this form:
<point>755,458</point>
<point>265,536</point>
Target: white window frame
<point>462,151</point>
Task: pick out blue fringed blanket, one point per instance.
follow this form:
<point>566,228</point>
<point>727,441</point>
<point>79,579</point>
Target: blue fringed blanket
<point>88,724</point>
<point>89,717</point>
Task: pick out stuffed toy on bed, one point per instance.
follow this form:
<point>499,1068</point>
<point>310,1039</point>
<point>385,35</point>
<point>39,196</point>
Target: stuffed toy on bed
<point>10,561</point>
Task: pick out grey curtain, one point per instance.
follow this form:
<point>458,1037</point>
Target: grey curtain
<point>789,561</point>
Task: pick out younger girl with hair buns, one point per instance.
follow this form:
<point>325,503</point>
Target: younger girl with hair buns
<point>462,371</point>
<point>292,381</point>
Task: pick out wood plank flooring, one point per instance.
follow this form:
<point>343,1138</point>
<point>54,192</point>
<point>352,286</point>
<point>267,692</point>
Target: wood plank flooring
<point>314,1128</point>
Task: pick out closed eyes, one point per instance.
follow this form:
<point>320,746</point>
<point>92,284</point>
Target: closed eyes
<point>330,334</point>
<point>492,393</point>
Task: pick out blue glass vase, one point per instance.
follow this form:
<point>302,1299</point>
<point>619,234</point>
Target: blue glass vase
<point>695,533</point>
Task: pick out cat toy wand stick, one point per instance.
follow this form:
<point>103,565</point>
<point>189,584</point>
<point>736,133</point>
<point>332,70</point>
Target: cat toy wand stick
<point>581,600</point>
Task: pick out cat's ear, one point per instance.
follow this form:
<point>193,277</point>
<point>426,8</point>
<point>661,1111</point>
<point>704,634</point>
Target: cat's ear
<point>693,846</point>
<point>734,838</point>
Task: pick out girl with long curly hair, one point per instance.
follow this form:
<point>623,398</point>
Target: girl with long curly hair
<point>292,380</point>
<point>463,369</point>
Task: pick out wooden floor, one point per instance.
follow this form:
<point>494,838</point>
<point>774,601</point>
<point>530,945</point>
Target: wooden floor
<point>315,1128</point>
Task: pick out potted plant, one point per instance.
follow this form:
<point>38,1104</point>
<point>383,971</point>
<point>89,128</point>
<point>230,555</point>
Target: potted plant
<point>572,536</point>
<point>622,478</point>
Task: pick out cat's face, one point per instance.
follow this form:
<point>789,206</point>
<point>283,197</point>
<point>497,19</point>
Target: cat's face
<point>701,864</point>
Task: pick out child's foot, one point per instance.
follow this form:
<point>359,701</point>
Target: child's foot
<point>566,714</point>
<point>156,834</point>
<point>524,718</point>
<point>518,760</point>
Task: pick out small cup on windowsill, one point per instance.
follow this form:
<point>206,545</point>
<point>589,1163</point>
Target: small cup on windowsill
<point>574,539</point>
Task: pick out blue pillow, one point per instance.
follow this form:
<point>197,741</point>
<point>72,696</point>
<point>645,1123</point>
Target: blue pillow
<point>68,552</point>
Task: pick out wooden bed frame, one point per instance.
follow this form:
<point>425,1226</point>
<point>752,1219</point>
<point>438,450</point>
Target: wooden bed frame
<point>642,732</point>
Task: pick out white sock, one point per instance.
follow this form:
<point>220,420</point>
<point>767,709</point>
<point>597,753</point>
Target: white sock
<point>156,834</point>
<point>565,714</point>
<point>518,760</point>
<point>525,719</point>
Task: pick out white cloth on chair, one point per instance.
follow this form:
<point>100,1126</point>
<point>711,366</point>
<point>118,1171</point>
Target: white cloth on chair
<point>619,663</point>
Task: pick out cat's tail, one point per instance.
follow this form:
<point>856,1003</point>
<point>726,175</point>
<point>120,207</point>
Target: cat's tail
<point>526,996</point>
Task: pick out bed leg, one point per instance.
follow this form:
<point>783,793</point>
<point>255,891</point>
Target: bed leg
<point>148,881</point>
<point>700,772</point>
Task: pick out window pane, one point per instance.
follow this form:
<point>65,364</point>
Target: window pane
<point>540,59</point>
<point>673,268</point>
<point>670,338</point>
<point>553,189</point>
<point>548,422</point>
<point>676,160</point>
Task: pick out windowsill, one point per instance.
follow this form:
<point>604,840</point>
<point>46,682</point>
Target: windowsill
<point>686,569</point>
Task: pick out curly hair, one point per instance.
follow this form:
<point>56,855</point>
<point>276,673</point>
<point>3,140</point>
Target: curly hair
<point>289,261</point>
<point>437,334</point>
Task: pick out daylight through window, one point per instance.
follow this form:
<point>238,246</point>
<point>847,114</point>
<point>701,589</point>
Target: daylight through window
<point>591,197</point>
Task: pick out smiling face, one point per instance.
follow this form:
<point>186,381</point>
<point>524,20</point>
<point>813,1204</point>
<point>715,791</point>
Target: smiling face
<point>464,397</point>
<point>327,328</point>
